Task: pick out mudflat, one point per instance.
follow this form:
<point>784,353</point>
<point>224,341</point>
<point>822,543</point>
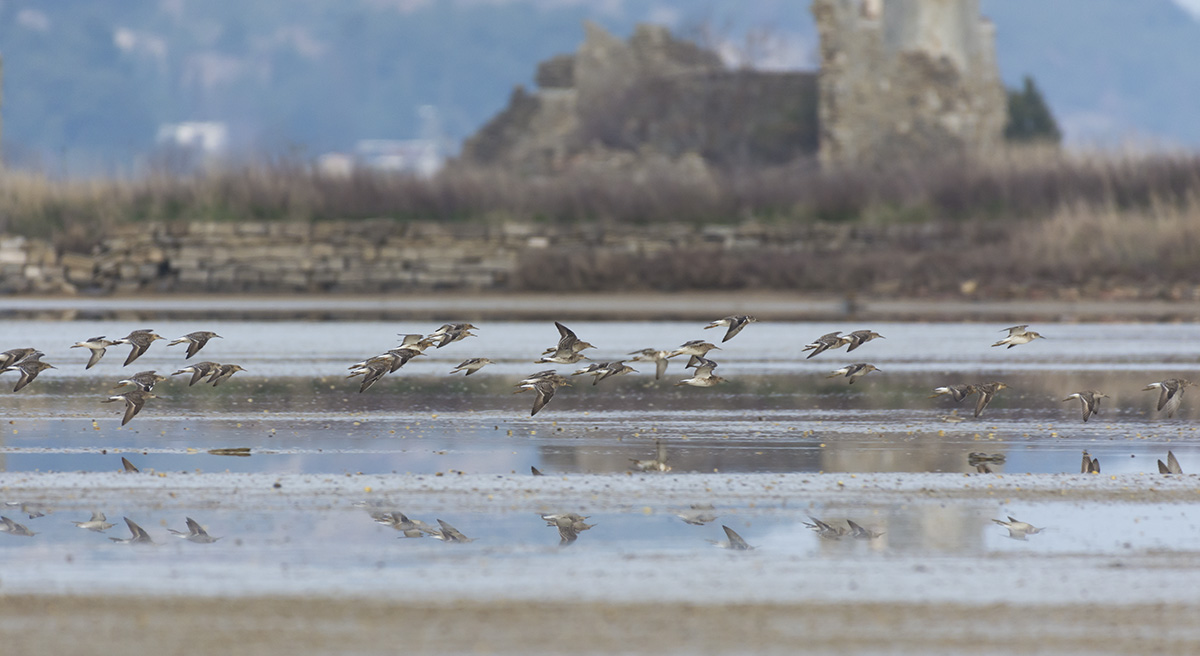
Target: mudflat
<point>68,625</point>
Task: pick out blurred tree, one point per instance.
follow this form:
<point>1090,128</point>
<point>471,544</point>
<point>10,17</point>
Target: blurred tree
<point>1029,118</point>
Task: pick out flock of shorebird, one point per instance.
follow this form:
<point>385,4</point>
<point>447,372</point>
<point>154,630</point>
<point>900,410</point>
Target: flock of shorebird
<point>568,350</point>
<point>28,361</point>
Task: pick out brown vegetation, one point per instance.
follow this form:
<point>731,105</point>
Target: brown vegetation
<point>1024,218</point>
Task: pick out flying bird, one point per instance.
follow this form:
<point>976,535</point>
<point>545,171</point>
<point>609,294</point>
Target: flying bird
<point>471,366</point>
<point>223,373</point>
<point>139,341</point>
<point>198,370</point>
<point>735,323</point>
<point>1090,399</point>
<point>860,337</point>
<point>98,522</point>
<point>1170,394</point>
<point>1018,335</point>
<point>957,392</point>
<point>138,535</point>
<point>195,533</point>
<point>195,341</point>
<point>30,367</point>
<point>854,371</point>
<point>97,346</point>
<point>133,403</point>
<point>987,391</point>
<point>13,356</point>
<point>659,358</point>
<point>826,342</point>
<point>703,375</point>
<point>143,380</point>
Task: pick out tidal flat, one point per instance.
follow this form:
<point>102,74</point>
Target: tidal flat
<point>302,565</point>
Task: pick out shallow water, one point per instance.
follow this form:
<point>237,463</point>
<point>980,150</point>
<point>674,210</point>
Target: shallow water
<point>299,415</point>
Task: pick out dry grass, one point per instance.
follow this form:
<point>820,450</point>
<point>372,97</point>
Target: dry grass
<point>1023,216</point>
<point>1017,184</point>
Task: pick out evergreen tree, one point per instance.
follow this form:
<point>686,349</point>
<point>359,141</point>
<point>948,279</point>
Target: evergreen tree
<point>1029,119</point>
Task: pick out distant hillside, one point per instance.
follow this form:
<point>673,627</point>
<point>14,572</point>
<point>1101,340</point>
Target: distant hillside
<point>86,85</point>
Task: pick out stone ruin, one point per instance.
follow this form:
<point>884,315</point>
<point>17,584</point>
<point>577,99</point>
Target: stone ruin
<point>651,96</point>
<point>900,80</point>
<point>906,80</point>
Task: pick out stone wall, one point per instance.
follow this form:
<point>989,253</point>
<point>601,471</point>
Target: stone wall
<point>906,80</point>
<point>373,256</point>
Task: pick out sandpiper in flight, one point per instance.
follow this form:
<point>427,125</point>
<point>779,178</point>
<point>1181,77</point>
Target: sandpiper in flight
<point>1170,394</point>
<point>195,341</point>
<point>139,341</point>
<point>1090,399</point>
<point>735,323</point>
<point>96,345</point>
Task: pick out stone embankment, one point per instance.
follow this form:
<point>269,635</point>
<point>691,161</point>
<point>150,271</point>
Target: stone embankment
<point>361,256</point>
<point>902,260</point>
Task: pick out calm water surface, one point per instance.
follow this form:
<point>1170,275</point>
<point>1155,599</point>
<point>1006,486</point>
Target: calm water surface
<point>297,412</point>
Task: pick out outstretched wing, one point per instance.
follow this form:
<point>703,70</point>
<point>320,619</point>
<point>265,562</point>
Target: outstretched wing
<point>133,405</point>
<point>735,326</point>
<point>985,397</point>
<point>195,345</point>
<point>735,541</point>
<point>545,392</point>
<point>1170,399</point>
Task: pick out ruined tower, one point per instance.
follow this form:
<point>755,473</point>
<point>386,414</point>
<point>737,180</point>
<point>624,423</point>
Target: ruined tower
<point>1,103</point>
<point>906,80</point>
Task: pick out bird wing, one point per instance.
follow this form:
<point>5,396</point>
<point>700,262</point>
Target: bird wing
<point>1087,407</point>
<point>1170,398</point>
<point>823,343</point>
<point>133,404</point>
<point>199,370</point>
<point>704,368</point>
<point>26,377</point>
<point>454,534</point>
<point>735,326</point>
<point>736,542</point>
<point>372,375</point>
<point>1173,464</point>
<point>566,338</point>
<point>960,392</point>
<point>136,350</point>
<point>545,392</point>
<point>194,346</point>
<point>660,368</point>
<point>95,357</point>
<point>985,397</point>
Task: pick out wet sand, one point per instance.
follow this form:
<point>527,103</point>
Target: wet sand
<point>31,624</point>
<point>1102,610</point>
